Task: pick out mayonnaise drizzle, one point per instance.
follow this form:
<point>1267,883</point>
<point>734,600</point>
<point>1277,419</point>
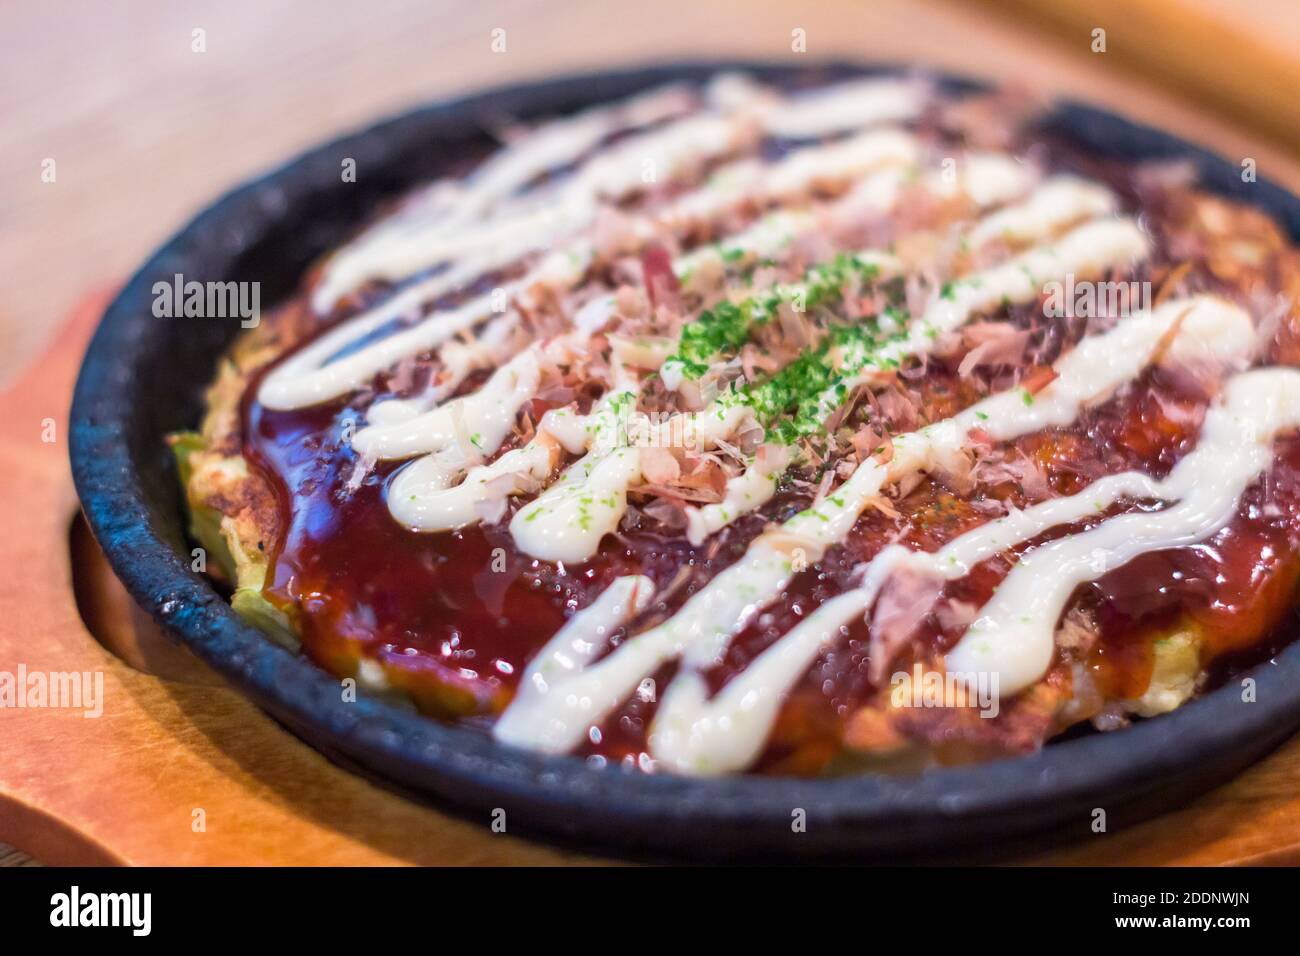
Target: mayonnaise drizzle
<point>1088,249</point>
<point>474,213</point>
<point>483,418</point>
<point>454,225</point>
<point>727,732</point>
<point>988,179</point>
<point>1058,200</point>
<point>309,377</point>
<point>495,219</point>
<point>700,632</point>
<point>830,164</point>
<point>570,518</point>
<point>843,106</point>
<point>566,522</point>
<point>1013,635</point>
<point>692,741</point>
<point>414,238</point>
<point>574,646</point>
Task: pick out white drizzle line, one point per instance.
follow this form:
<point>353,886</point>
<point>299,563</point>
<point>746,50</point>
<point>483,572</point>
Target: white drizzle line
<point>424,497</point>
<point>1059,199</point>
<point>569,519</point>
<point>837,162</point>
<point>989,179</point>
<point>306,379</point>
<point>849,105</point>
<point>566,523</point>
<point>387,248</point>
<point>701,631</point>
<point>1057,202</point>
<point>1090,248</point>
<point>479,246</point>
<point>745,492</point>
<point>458,358</point>
<point>1013,635</point>
<point>831,164</point>
<point>479,212</point>
<point>623,168</point>
<point>1095,368</point>
<point>825,110</point>
<point>727,732</point>
<point>768,236</point>
<point>589,491</point>
<point>573,647</point>
<point>484,418</point>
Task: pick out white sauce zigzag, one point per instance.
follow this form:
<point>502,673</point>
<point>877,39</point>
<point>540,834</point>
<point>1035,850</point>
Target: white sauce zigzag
<point>507,216</point>
<point>552,533</point>
<point>700,632</point>
<point>309,377</point>
<point>576,645</point>
<point>1089,248</point>
<point>849,105</point>
<point>727,732</point>
<point>455,213</point>
<point>1013,635</point>
<point>425,497</point>
<point>413,239</point>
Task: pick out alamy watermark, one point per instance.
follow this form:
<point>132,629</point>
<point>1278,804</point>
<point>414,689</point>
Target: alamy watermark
<point>63,690</point>
<point>1088,299</point>
<point>931,688</point>
<point>133,911</point>
<point>208,300</point>
<point>637,429</point>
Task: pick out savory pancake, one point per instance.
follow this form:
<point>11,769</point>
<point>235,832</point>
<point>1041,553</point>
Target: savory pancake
<point>733,428</point>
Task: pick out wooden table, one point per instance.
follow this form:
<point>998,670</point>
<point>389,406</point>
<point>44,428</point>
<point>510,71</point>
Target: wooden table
<point>143,131</point>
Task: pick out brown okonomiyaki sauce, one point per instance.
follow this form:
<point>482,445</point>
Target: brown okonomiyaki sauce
<point>453,618</point>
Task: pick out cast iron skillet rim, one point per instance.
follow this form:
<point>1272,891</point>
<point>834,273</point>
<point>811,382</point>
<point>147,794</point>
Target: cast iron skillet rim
<point>466,765</point>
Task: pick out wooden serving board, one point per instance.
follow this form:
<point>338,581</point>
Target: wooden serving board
<point>143,129</point>
<point>174,744</point>
<point>172,739</point>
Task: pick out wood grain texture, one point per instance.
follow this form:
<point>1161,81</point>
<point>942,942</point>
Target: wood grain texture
<point>124,787</point>
<point>145,132</point>
<point>11,857</point>
<point>1238,57</point>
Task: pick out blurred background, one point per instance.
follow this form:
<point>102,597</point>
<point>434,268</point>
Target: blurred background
<point>144,130</point>
<point>122,119</point>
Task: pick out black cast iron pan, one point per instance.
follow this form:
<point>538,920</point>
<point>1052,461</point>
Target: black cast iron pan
<point>143,377</point>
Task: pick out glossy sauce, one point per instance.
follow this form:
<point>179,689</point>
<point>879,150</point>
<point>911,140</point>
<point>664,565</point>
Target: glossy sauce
<point>463,608</point>
<point>453,617</point>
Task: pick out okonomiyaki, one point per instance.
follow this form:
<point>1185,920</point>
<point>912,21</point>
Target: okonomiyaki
<point>731,428</point>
